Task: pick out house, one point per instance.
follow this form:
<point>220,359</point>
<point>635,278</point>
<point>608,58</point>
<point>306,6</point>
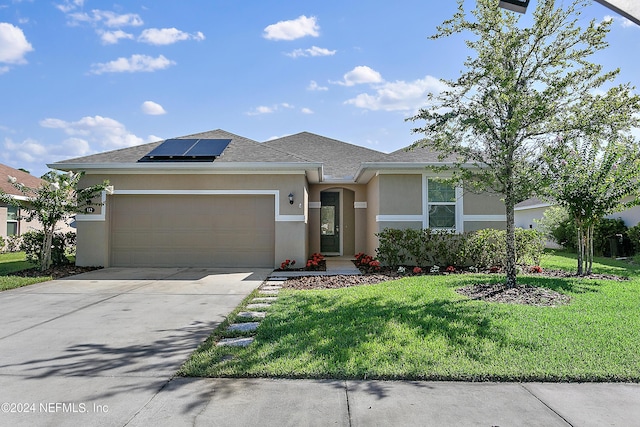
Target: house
<point>529,212</point>
<point>218,199</point>
<point>10,220</point>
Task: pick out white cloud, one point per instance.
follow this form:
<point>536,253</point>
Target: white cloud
<point>164,36</point>
<point>626,23</point>
<point>70,5</point>
<point>113,37</point>
<point>313,51</point>
<point>100,133</point>
<point>153,109</point>
<point>136,63</point>
<point>13,44</point>
<point>314,86</point>
<point>359,75</point>
<point>292,29</point>
<point>398,95</point>
<point>106,18</point>
<point>264,109</point>
<point>114,20</point>
<point>4,70</point>
<point>306,111</point>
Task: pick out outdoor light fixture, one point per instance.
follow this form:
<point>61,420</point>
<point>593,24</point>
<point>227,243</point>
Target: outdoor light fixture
<point>515,5</point>
<point>290,198</point>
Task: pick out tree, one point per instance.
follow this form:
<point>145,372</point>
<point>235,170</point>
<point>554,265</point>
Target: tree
<point>56,200</point>
<point>591,178</point>
<point>524,85</point>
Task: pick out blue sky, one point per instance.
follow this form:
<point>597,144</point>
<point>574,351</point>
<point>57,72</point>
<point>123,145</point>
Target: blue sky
<point>84,76</point>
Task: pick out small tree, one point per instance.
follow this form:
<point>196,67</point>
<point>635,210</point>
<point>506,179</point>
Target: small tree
<point>523,85</point>
<point>592,179</point>
<point>53,202</point>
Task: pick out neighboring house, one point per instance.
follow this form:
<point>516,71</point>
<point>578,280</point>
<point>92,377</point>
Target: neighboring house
<point>216,199</point>
<point>10,222</point>
<point>529,212</point>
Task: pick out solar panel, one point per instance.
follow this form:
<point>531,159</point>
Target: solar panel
<point>173,147</point>
<point>208,147</point>
<point>187,150</point>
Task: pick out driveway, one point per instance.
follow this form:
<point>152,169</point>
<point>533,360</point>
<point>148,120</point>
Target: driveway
<point>93,349</point>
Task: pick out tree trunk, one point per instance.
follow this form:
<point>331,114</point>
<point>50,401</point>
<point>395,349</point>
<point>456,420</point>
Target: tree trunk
<point>589,265</point>
<point>580,243</point>
<point>510,267</point>
<point>45,261</point>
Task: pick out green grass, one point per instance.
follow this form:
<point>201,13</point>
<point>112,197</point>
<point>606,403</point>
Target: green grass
<point>420,328</point>
<point>12,263</point>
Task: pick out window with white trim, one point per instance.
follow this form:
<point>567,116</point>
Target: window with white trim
<point>441,205</point>
<point>12,220</point>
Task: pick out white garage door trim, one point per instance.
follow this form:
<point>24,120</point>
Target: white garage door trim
<point>278,217</point>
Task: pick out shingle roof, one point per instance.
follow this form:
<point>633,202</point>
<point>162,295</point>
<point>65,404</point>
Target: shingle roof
<point>341,159</point>
<point>240,149</point>
<point>22,177</point>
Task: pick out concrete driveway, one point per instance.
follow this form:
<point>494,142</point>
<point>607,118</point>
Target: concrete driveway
<point>93,349</point>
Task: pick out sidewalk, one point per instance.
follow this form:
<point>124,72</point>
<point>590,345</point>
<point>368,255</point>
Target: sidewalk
<point>282,402</point>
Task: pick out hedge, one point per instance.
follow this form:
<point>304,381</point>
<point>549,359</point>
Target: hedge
<point>482,249</point>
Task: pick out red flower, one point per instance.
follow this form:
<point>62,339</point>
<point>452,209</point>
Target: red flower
<point>417,270</point>
<point>451,269</point>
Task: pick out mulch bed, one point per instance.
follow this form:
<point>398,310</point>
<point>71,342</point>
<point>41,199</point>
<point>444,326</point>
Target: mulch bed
<point>520,294</point>
<point>495,292</point>
<point>57,272</point>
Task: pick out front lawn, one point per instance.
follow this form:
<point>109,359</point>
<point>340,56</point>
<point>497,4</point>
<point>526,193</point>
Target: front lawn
<point>11,263</point>
<point>420,328</point>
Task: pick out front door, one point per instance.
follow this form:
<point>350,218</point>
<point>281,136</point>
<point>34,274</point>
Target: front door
<point>330,223</point>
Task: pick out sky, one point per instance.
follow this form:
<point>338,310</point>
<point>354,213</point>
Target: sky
<point>79,77</point>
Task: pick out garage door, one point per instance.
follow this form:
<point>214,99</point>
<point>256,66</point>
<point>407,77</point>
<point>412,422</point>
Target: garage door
<point>192,231</point>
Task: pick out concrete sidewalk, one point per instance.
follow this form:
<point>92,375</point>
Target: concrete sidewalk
<point>265,402</point>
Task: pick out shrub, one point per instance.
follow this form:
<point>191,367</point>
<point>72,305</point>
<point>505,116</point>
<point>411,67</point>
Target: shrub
<point>13,243</point>
<point>1,244</point>
<point>605,229</point>
<point>367,263</point>
<point>559,227</point>
<point>483,248</point>
<point>634,236</point>
<point>287,263</point>
<point>316,262</point>
<point>62,244</point>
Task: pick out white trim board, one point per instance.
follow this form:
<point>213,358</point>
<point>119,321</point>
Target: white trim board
<point>275,193</point>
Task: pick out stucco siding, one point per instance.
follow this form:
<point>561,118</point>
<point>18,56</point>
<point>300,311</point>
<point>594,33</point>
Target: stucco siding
<point>485,203</point>
<point>400,194</point>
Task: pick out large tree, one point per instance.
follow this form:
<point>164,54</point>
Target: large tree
<point>522,86</point>
<point>55,201</point>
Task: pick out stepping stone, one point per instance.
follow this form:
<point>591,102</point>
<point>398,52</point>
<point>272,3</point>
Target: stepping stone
<point>252,314</point>
<point>243,327</point>
<point>276,279</point>
<point>235,342</point>
<point>259,305</point>
<point>271,288</point>
<point>269,292</point>
<point>264,299</point>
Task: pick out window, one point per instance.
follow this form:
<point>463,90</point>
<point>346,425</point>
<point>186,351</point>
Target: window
<point>12,220</point>
<point>441,200</point>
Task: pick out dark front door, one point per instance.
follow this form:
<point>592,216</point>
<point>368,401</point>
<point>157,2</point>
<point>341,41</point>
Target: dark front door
<point>330,222</point>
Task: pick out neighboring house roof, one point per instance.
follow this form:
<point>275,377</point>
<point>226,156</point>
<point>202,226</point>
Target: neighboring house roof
<point>322,159</point>
<point>22,177</point>
<point>532,203</point>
